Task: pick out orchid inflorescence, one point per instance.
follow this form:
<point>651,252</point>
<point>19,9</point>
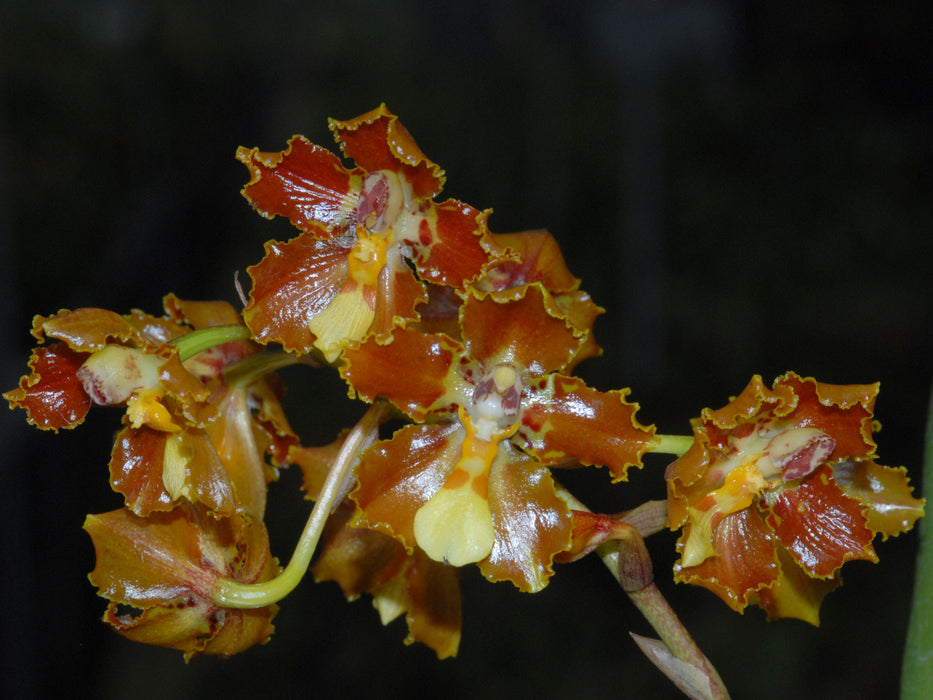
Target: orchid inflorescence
<point>472,337</point>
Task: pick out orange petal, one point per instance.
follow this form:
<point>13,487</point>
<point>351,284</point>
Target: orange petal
<point>378,141</point>
<point>820,526</point>
<point>795,594</point>
<point>167,564</point>
<point>372,369</point>
<point>292,283</point>
<point>890,506</point>
<point>398,476</point>
<point>842,411</point>
<point>563,417</point>
<point>532,523</point>
<point>531,256</point>
<point>746,560</point>
<point>305,183</point>
<point>522,326</point>
<point>453,245</point>
<point>435,615</point>
<point>358,560</point>
<point>138,463</point>
<point>52,395</point>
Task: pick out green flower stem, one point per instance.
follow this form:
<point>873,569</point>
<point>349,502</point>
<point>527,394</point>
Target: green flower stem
<point>673,444</point>
<point>248,370</point>
<point>194,342</point>
<point>917,675</point>
<point>233,594</point>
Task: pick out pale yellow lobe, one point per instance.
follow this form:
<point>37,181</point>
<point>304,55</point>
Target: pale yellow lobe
<point>175,462</point>
<point>455,525</point>
<point>699,545</point>
<point>391,599</point>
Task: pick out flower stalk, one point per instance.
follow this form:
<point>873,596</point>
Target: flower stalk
<point>233,594</point>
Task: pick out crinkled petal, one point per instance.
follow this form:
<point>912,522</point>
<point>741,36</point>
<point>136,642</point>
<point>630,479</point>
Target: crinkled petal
<point>378,141</point>
<point>745,563</point>
<point>843,411</point>
<point>429,382</point>
<point>529,256</point>
<point>140,468</point>
<point>398,476</point>
<point>304,183</point>
<point>52,395</point>
<point>564,418</point>
<point>166,565</point>
<point>820,526</point>
<point>795,594</point>
<point>435,615</point>
<point>522,325</point>
<point>358,560</point>
<point>885,492</point>
<point>531,522</point>
<point>453,246</point>
<point>293,283</point>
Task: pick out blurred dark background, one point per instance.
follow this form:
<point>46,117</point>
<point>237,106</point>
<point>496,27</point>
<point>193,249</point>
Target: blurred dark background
<point>746,187</point>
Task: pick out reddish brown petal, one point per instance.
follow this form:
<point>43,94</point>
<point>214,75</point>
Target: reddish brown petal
<point>305,183</point>
<point>890,506</point>
<point>414,371</point>
<point>534,256</point>
<point>435,616</point>
<point>358,560</point>
<point>582,312</point>
<point>564,418</point>
<point>201,314</point>
<point>523,326</point>
<point>377,141</point>
<point>842,411</point>
<point>820,526</point>
<point>398,476</point>
<point>166,566</point>
<point>746,562</point>
<point>138,461</point>
<point>52,395</point>
<point>397,295</point>
<point>232,439</point>
<point>292,283</point>
<point>271,419</point>
<point>795,594</point>
<point>454,248</point>
<point>315,464</point>
<point>532,523</point>
<point>86,329</point>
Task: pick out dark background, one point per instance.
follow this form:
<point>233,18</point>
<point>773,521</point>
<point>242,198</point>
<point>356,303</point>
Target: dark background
<point>744,186</point>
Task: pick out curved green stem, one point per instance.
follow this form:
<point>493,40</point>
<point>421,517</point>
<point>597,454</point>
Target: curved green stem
<point>233,594</point>
<point>917,674</point>
<point>249,369</point>
<point>194,342</point>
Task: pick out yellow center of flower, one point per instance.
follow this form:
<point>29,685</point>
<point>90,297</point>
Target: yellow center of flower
<point>145,408</point>
<point>455,525</point>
